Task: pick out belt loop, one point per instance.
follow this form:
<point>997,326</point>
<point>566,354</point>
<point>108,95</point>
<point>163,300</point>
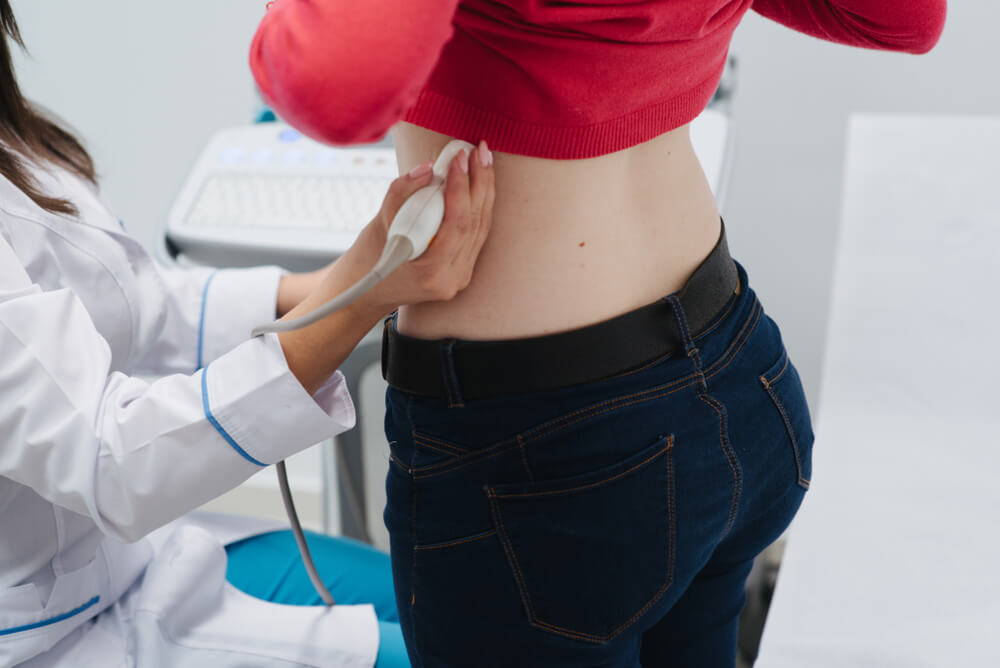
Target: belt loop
<point>451,384</point>
<point>690,349</point>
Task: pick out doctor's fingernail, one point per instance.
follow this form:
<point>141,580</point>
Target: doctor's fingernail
<point>421,169</point>
<point>463,160</point>
<point>485,155</point>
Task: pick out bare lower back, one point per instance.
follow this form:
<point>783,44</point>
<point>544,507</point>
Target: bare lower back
<point>574,242</point>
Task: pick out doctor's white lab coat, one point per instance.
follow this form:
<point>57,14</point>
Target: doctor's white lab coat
<point>92,459</point>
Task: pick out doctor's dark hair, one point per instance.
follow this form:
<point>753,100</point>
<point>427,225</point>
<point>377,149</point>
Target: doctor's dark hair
<point>27,131</point>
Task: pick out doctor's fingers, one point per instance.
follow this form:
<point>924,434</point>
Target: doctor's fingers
<point>468,208</point>
<point>482,196</point>
<point>436,273</point>
<point>457,223</point>
<point>401,189</point>
<point>458,194</point>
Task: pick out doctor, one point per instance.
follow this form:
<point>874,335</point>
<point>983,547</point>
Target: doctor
<point>93,459</point>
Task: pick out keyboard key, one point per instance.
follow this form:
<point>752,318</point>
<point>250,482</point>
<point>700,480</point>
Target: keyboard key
<point>337,203</point>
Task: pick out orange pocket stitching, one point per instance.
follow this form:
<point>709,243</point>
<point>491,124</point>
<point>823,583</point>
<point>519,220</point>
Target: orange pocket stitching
<point>667,447</point>
<point>442,444</point>
<point>802,480</point>
<point>428,446</point>
<point>731,458</point>
<point>453,543</point>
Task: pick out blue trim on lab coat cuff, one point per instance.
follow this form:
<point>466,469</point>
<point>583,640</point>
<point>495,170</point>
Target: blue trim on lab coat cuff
<point>218,427</point>
<point>52,620</point>
<point>201,320</point>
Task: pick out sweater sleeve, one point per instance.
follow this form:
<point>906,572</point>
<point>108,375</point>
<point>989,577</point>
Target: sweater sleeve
<point>345,71</point>
<point>913,26</point>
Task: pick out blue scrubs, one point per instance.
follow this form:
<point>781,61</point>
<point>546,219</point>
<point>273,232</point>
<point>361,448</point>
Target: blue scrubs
<point>269,567</point>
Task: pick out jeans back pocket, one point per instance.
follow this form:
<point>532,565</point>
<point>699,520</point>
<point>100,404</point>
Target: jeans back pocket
<point>785,389</point>
<point>591,553</point>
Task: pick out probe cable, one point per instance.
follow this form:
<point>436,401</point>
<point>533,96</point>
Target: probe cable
<point>396,253</point>
<point>412,231</point>
<point>300,537</point>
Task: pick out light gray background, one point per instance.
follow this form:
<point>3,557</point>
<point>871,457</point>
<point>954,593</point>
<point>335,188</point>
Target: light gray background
<point>146,84</point>
<point>887,563</point>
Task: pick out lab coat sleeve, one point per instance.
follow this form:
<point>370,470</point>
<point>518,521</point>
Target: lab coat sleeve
<point>189,317</point>
<point>913,26</point>
<point>129,454</point>
<point>344,71</point>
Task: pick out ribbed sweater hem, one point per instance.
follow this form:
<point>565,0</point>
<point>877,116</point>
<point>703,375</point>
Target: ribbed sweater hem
<point>447,115</point>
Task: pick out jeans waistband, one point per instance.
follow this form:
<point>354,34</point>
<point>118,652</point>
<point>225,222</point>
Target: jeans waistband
<point>460,371</point>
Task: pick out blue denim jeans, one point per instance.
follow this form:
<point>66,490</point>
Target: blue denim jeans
<point>608,524</point>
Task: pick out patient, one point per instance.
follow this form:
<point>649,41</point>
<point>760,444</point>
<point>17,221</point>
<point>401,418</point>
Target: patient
<point>592,442</point>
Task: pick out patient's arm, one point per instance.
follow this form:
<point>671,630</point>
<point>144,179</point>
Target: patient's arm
<point>344,71</point>
<point>897,25</point>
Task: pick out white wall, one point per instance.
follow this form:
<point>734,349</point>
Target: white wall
<point>144,84</point>
<point>797,92</point>
<point>147,82</point>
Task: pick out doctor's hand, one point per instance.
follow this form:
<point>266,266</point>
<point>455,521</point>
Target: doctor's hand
<point>436,275</point>
<point>315,352</point>
<point>447,266</point>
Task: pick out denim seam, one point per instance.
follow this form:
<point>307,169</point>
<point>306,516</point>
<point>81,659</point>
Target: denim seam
<point>413,517</point>
<point>423,444</point>
<point>554,426</point>
<point>657,392</point>
<point>395,460</point>
<point>731,458</point>
<point>530,495</point>
<point>802,481</point>
<point>511,557</point>
<point>458,541</point>
<point>725,359</point>
<point>625,374</point>
<point>579,635</point>
<point>434,470</point>
<point>605,407</point>
<point>524,459</point>
<point>772,381</point>
<point>408,468</point>
<point>442,445</point>
<point>413,557</point>
<point>720,410</point>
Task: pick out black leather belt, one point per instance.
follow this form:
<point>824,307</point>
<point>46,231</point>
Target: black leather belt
<point>487,369</point>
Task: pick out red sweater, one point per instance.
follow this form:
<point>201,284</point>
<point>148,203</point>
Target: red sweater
<point>568,79</point>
